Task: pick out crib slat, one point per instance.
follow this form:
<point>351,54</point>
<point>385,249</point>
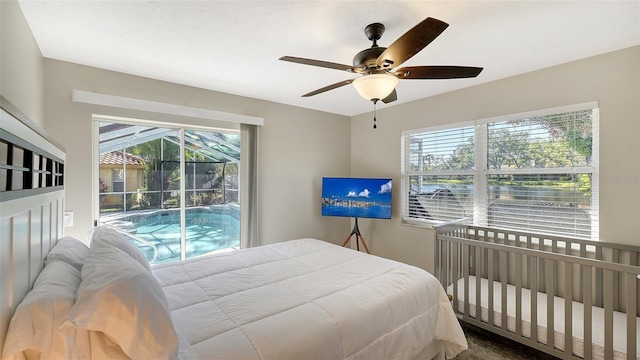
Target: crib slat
<point>599,278</point>
<point>588,318</point>
<point>479,284</point>
<point>568,309</point>
<point>632,303</point>
<point>473,261</point>
<point>527,279</point>
<point>616,281</point>
<point>608,314</point>
<point>518,264</point>
<point>455,277</point>
<point>490,288</point>
<point>437,258</point>
<point>583,254</point>
<point>543,286</point>
<point>465,273</point>
<point>446,268</point>
<point>550,285</point>
<point>554,249</point>
<point>442,272</point>
<point>533,275</point>
<point>503,291</point>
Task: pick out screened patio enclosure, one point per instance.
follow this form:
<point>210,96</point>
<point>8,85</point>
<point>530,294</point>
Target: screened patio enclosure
<point>143,194</point>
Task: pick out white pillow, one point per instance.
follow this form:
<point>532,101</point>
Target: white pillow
<point>121,300</point>
<point>69,250</point>
<point>33,329</point>
<point>111,236</point>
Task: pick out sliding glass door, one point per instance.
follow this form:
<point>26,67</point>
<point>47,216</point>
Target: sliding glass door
<point>212,205</point>
<point>172,191</point>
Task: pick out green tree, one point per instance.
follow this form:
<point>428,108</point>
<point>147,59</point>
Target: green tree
<point>463,156</point>
<point>507,147</point>
<point>555,153</point>
<point>432,162</point>
<point>575,128</point>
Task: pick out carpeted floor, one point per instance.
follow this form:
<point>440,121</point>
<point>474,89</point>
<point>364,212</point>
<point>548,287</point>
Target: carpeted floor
<point>485,345</point>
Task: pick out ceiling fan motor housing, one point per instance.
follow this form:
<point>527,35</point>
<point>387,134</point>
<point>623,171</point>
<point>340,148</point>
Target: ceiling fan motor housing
<point>365,60</point>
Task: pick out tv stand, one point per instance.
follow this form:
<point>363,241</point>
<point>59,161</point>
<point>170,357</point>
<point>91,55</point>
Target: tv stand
<point>356,232</point>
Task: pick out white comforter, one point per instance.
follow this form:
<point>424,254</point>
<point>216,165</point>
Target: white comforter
<point>307,299</point>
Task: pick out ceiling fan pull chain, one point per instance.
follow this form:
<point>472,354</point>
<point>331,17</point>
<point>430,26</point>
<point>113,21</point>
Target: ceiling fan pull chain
<point>374,115</point>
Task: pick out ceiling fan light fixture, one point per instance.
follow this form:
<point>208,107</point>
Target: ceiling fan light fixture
<point>375,86</point>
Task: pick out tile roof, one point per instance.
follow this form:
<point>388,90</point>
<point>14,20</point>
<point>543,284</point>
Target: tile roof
<point>116,158</point>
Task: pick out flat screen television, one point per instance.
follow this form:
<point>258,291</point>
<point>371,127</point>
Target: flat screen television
<point>356,197</point>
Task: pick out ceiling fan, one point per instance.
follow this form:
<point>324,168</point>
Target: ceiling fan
<point>376,63</point>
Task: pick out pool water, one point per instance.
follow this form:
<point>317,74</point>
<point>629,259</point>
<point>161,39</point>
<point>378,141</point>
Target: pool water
<point>206,231</point>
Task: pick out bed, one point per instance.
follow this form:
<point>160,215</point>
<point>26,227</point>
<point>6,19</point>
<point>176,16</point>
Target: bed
<point>341,303</point>
<point>571,298</point>
<point>303,298</point>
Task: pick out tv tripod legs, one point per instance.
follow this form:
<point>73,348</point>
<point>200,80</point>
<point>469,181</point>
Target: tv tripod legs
<point>358,239</point>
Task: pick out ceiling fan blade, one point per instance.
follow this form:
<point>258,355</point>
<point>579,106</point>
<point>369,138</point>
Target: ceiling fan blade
<point>329,87</point>
<point>410,43</point>
<point>437,72</point>
<point>320,63</point>
<point>391,97</point>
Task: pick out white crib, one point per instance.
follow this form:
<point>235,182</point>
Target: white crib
<point>574,299</point>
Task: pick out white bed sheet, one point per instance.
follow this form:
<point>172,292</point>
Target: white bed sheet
<point>307,299</point>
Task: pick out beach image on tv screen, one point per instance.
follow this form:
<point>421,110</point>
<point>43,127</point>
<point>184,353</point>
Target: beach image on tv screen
<point>356,197</point>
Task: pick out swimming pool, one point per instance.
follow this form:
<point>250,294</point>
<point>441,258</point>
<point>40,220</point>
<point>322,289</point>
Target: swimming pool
<point>208,229</point>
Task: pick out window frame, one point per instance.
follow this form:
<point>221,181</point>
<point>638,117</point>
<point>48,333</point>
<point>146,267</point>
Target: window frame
<point>481,171</point>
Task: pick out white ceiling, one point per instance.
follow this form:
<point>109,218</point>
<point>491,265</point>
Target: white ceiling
<point>234,46</point>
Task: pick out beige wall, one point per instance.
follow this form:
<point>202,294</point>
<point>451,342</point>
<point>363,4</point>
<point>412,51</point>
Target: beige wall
<point>612,79</point>
<point>296,147</point>
<point>21,64</point>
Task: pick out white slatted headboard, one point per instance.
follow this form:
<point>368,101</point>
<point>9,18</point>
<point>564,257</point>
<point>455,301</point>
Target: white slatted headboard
<point>31,205</point>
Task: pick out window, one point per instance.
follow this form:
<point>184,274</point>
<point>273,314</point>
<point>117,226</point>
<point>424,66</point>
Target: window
<point>536,171</point>
<point>117,179</point>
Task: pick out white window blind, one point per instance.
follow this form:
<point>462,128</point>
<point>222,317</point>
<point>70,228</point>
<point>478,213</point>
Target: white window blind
<point>536,171</point>
<point>440,174</point>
